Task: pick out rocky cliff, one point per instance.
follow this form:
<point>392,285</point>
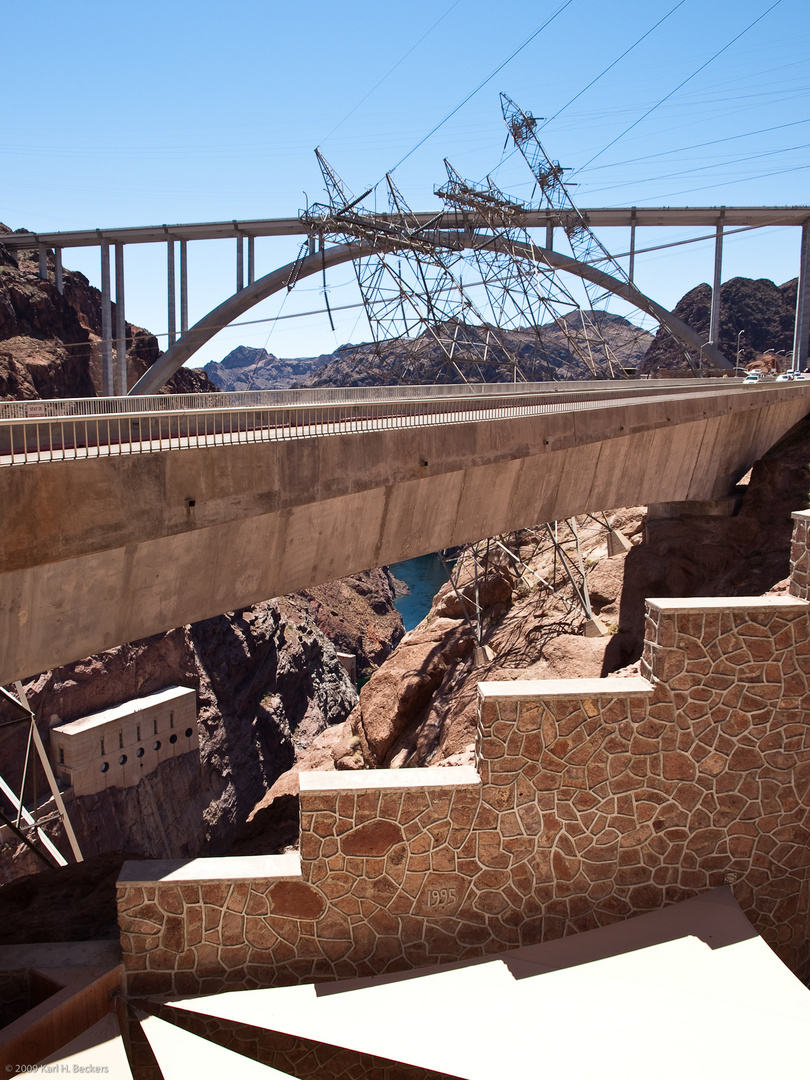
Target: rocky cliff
<point>50,344</point>
<point>762,312</point>
<point>554,352</point>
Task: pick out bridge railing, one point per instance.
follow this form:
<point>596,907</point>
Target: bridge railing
<point>133,426</point>
<point>260,399</point>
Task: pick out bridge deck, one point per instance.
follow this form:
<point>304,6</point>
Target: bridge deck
<point>101,550</point>
<point>598,217</point>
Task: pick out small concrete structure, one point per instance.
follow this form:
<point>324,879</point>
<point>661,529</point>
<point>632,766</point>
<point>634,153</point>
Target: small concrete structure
<point>118,746</point>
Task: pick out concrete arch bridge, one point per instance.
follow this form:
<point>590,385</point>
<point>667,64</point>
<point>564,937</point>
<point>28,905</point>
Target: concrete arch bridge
<point>458,232</point>
<point>317,262</point>
<point>127,517</point>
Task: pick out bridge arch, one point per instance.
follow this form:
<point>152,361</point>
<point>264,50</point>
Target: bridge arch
<point>207,327</point>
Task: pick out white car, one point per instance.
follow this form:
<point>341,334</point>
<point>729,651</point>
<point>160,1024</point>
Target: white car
<point>751,377</point>
<point>786,376</point>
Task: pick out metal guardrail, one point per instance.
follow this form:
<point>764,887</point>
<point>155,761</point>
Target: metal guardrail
<point>262,399</point>
<point>92,427</point>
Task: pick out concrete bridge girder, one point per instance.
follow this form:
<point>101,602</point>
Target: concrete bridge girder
<point>86,574</point>
<point>207,327</point>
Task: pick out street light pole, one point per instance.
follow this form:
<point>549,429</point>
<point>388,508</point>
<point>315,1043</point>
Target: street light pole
<point>737,366</point>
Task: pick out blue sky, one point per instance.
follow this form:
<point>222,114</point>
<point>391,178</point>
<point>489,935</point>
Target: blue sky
<point>151,112</point>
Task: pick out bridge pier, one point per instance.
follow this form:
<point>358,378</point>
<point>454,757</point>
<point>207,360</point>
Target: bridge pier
<point>631,268</point>
<point>106,323</point>
<point>120,380</point>
<point>57,259</point>
<point>802,330</point>
<point>725,506</point>
<point>714,318</point>
<point>183,286</point>
<point>170,281</point>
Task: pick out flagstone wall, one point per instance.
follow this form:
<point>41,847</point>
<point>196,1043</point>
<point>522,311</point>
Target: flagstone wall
<point>592,800</point>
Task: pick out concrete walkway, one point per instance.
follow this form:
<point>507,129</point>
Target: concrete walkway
<point>689,990</point>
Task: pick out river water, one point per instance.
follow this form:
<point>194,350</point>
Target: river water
<point>424,577</point>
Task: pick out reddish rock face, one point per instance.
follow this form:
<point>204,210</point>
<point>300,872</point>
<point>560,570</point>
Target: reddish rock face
<point>50,343</point>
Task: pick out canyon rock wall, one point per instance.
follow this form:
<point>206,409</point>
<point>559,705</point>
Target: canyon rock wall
<point>268,683</point>
<point>50,344</point>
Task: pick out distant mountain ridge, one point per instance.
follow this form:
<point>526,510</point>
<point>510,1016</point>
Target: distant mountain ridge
<point>245,368</point>
<point>541,359</point>
<point>755,314</point>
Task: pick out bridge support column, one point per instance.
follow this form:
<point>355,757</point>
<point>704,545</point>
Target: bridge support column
<point>802,329</point>
<point>57,265</point>
<point>714,320</point>
<point>171,297</point>
<point>632,266</point>
<point>43,262</point>
<point>183,286</point>
<point>106,323</point>
<point>240,264</point>
<point>251,258</point>
<point>549,236</point>
<point>120,380</point>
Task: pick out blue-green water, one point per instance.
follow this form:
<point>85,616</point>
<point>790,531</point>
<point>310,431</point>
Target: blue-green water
<point>424,577</point>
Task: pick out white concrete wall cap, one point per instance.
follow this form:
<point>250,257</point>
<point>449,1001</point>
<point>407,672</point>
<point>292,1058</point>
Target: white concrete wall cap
<point>389,779</point>
<point>531,689</point>
<point>726,603</point>
<point>233,869</point>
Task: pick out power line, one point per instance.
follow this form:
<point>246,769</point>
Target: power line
<point>724,184</point>
<point>699,146</point>
<point>680,85</point>
<point>615,62</point>
<point>482,84</point>
<point>598,77</point>
<point>712,165</point>
<point>379,83</point>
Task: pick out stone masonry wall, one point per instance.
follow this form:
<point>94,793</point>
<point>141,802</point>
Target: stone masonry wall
<point>800,555</point>
<point>592,800</point>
